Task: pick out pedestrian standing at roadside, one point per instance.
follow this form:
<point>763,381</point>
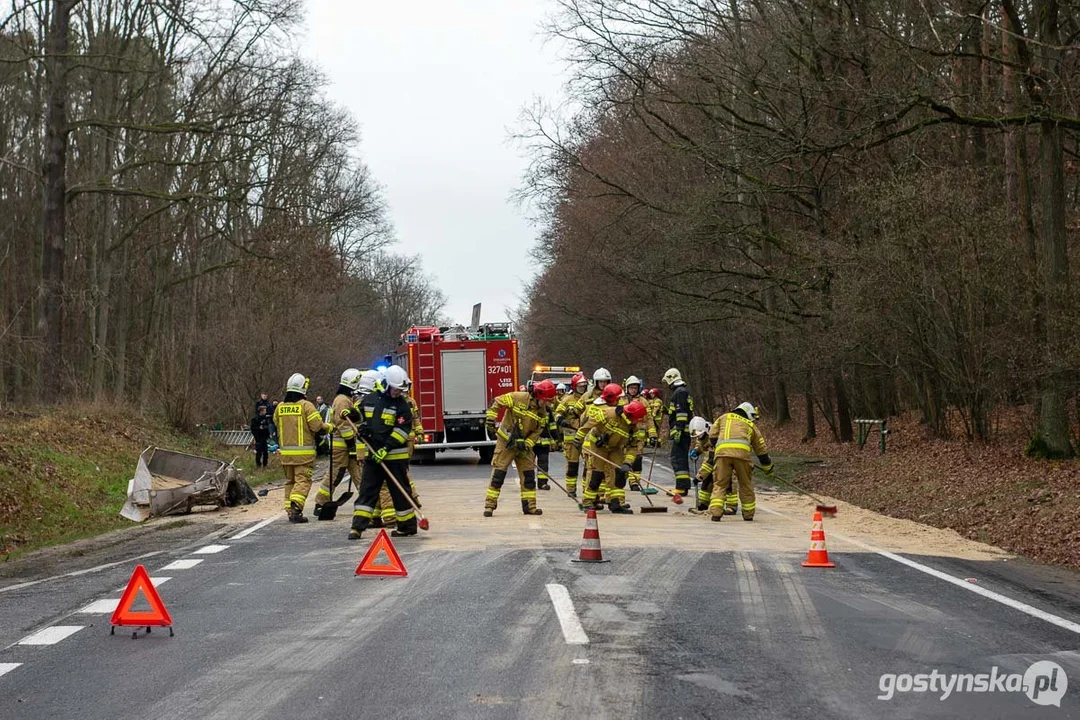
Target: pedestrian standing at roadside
<point>260,432</point>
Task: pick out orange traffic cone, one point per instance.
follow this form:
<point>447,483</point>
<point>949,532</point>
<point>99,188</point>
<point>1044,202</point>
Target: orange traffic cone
<point>590,541</point>
<point>818,555</point>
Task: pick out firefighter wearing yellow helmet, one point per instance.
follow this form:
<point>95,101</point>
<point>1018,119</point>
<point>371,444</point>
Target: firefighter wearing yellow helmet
<point>298,425</point>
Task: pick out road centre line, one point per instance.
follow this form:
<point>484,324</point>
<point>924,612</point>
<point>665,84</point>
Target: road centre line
<point>253,528</point>
<point>185,564</point>
<point>5,668</point>
<point>51,635</point>
<point>568,618</point>
<point>958,582</point>
<point>106,606</point>
<point>77,573</point>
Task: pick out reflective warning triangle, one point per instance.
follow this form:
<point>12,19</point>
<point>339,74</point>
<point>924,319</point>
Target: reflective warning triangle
<point>368,566</point>
<point>124,615</point>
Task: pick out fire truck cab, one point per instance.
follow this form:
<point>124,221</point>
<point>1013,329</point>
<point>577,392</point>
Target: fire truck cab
<point>456,373</point>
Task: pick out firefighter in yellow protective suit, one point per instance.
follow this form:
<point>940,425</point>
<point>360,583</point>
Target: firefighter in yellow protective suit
<point>632,391</point>
<point>655,405</point>
<point>702,445</point>
<point>568,416</point>
<point>734,436</point>
<point>524,416</point>
<point>298,423</point>
<point>550,439</point>
<point>594,413</point>
<point>613,437</point>
<point>346,456</point>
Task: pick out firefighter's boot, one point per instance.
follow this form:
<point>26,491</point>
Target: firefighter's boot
<point>571,478</point>
<point>405,528</point>
<point>528,494</point>
<point>296,513</point>
<point>498,477</point>
<point>359,525</point>
<point>617,506</point>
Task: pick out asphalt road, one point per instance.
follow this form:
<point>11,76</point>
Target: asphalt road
<point>699,625</point>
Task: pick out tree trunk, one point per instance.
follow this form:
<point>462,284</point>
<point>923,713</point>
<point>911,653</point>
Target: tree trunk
<point>50,326</point>
<point>843,411</point>
<point>811,424</point>
<point>783,411</point>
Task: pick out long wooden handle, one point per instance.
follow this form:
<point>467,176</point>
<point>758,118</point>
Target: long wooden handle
<point>648,482</point>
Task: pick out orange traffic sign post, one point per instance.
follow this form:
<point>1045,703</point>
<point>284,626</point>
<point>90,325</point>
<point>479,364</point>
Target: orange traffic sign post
<point>125,616</point>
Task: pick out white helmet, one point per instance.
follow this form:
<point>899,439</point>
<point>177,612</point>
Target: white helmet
<point>351,379</point>
<point>632,380</point>
<point>673,376</point>
<point>297,383</point>
<point>397,378</point>
<point>369,379</point>
<point>601,377</point>
<point>699,426</point>
<point>749,410</point>
<point>560,388</point>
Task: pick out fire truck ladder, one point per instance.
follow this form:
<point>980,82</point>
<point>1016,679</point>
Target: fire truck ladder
<point>425,362</point>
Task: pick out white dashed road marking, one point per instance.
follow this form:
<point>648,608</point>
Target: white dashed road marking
<point>253,528</point>
<point>568,618</point>
<point>210,550</point>
<point>51,635</point>
<point>5,668</point>
<point>101,607</point>
<point>77,573</point>
<point>185,564</point>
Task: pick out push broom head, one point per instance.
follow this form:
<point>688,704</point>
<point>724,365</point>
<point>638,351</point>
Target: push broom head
<point>677,499</point>
<point>424,524</point>
<point>652,509</point>
<point>828,510</point>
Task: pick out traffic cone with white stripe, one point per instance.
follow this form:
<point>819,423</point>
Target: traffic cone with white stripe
<point>590,541</point>
<point>818,555</point>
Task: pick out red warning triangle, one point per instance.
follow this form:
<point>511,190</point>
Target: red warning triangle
<point>368,566</point>
<point>124,615</point>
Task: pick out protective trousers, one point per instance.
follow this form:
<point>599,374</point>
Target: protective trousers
<point>680,463</point>
<point>343,463</point>
<point>604,480</point>
<point>573,464</point>
<point>373,481</point>
<point>500,463</point>
<point>543,454</point>
<point>297,485</point>
<point>384,509</point>
<point>743,473</point>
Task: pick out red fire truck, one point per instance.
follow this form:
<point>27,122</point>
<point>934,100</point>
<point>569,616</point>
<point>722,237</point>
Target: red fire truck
<point>456,373</point>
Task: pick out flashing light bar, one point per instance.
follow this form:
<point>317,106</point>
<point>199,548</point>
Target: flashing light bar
<point>556,368</point>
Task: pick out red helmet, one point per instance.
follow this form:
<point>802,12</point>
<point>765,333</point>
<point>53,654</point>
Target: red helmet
<point>544,390</point>
<point>578,379</point>
<point>611,393</point>
<point>652,393</point>
<point>634,411</point>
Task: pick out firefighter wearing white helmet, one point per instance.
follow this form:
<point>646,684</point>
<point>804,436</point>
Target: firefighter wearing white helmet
<point>680,410</point>
<point>298,425</point>
<point>346,455</point>
<point>632,387</point>
<point>386,427</point>
<point>699,432</point>
<point>734,435</point>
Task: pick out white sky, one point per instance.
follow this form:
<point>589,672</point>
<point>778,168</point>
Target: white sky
<point>437,87</point>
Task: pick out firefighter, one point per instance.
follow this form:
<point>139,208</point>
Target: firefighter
<point>655,405</point>
<point>680,410</point>
<point>384,516</point>
<point>387,422</point>
<point>613,433</point>
<point>703,445</point>
<point>344,412</point>
<point>568,416</point>
<point>631,392</point>
<point>560,392</point>
<point>549,440</point>
<point>516,436</point>
<point>594,414</point>
<point>733,436</point>
<point>298,425</point>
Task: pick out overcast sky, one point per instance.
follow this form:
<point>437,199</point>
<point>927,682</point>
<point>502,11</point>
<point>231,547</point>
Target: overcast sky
<point>437,86</point>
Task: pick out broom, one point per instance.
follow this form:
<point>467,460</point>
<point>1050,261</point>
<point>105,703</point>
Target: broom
<point>675,497</point>
<point>423,524</point>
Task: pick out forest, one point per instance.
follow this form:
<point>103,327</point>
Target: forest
<point>861,207</point>
<point>186,217</point>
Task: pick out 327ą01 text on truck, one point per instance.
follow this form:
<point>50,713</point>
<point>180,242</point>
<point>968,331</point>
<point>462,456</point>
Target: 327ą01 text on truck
<point>456,373</point>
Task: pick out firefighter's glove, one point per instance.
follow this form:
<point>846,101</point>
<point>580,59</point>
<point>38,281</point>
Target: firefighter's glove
<point>653,442</point>
<point>601,441</point>
<point>769,471</point>
<point>520,445</point>
<point>490,428</point>
<point>351,413</point>
<point>329,428</point>
<point>693,452</point>
<point>675,435</point>
<point>379,455</point>
<point>364,431</point>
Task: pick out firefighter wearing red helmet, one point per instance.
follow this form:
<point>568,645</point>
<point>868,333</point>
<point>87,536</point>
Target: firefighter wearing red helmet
<point>568,416</point>
<point>550,437</point>
<point>616,434</point>
<point>524,415</point>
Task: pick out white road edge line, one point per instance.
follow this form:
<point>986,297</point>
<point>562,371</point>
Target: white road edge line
<point>51,635</point>
<point>77,573</point>
<point>958,582</point>
<point>5,668</point>
<point>253,528</point>
<point>185,564</point>
<point>568,618</point>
